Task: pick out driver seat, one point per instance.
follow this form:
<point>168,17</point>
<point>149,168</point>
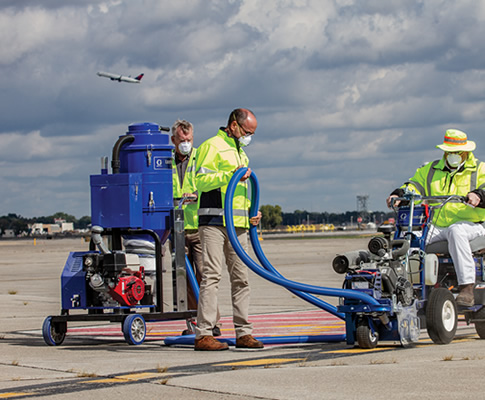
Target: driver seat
<point>477,245</point>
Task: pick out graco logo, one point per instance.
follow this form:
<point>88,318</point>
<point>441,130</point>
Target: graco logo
<point>162,163</point>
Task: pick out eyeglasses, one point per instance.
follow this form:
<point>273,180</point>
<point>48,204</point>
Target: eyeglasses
<point>246,133</point>
<point>455,152</point>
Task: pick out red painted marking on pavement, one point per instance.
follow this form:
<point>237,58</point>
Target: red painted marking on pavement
<point>296,323</point>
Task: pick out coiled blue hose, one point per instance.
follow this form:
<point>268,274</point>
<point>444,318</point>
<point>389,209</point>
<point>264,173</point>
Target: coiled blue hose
<point>301,289</point>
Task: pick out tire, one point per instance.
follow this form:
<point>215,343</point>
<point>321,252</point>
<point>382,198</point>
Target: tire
<point>480,326</point>
<point>441,316</point>
<point>134,329</point>
<point>54,333</point>
<point>365,338</point>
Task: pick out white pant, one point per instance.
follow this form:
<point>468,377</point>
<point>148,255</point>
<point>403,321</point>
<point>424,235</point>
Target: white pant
<point>458,236</point>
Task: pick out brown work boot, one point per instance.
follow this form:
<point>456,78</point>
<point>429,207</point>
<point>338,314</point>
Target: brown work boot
<point>208,343</point>
<point>248,342</point>
<point>466,297</point>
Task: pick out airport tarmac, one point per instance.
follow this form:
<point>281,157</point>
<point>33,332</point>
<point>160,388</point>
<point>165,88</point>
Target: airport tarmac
<point>92,367</point>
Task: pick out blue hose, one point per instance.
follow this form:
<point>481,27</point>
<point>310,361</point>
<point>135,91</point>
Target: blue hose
<point>192,280</point>
<point>253,234</point>
<point>189,339</point>
<point>272,277</point>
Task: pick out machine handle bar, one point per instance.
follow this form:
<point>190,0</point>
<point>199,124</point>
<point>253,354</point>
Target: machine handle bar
<point>441,200</point>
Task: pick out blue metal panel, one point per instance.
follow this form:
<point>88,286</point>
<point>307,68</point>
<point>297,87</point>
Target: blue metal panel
<point>116,200</point>
<point>73,282</point>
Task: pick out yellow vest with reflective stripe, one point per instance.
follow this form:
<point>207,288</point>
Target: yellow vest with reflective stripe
<point>188,186</point>
<point>217,158</point>
<point>434,179</point>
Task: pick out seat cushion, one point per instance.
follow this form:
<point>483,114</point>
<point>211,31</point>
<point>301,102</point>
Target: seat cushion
<point>477,245</point>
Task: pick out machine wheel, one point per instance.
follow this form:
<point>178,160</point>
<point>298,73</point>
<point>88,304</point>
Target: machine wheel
<point>54,333</point>
<point>441,316</point>
<point>365,338</point>
<point>134,329</point>
<point>480,326</point>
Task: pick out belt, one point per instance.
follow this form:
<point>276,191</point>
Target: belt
<point>189,231</point>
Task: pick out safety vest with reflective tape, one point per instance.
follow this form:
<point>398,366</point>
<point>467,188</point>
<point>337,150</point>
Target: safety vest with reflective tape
<point>434,179</point>
<point>188,186</point>
<point>217,159</point>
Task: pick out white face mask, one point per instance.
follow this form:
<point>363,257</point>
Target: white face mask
<point>185,148</point>
<point>453,160</point>
<point>244,140</point>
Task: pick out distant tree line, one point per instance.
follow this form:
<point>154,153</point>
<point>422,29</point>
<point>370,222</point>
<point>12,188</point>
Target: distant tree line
<point>273,217</point>
<point>21,224</point>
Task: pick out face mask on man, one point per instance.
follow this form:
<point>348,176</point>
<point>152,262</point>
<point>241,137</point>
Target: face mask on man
<point>244,140</point>
<point>185,148</point>
<point>453,160</point>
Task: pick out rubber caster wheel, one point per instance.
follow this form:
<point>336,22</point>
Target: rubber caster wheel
<point>134,329</point>
<point>365,338</point>
<point>54,333</point>
<point>441,316</point>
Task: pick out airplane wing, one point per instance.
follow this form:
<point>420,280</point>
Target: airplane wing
<point>113,77</point>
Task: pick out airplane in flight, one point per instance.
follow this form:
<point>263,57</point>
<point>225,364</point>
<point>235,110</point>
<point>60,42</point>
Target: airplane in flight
<point>120,78</point>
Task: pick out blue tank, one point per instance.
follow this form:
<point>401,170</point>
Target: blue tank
<point>138,194</point>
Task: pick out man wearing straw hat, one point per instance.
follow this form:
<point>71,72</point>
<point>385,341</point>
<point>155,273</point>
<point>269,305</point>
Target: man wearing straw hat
<point>458,172</point>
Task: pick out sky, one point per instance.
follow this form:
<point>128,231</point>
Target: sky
<point>351,96</point>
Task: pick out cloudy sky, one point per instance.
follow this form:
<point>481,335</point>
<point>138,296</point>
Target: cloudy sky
<point>351,95</point>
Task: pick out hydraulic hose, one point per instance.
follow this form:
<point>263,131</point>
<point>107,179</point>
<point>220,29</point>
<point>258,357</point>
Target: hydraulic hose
<point>272,277</point>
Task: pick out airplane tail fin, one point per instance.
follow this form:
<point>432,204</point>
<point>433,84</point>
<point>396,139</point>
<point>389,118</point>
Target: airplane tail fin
<point>138,78</point>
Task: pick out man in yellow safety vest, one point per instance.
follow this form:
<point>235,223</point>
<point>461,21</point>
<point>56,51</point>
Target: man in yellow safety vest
<point>458,172</point>
<point>183,166</point>
<point>217,160</point>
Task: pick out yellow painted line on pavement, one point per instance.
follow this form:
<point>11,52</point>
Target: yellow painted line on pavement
<point>263,361</point>
<point>127,378</point>
<point>13,394</point>
<point>357,351</point>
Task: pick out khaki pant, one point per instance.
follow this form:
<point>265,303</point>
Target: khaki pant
<point>215,248</point>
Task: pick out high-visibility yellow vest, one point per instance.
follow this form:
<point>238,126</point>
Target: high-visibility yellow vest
<point>217,159</point>
<point>434,179</point>
<point>187,186</point>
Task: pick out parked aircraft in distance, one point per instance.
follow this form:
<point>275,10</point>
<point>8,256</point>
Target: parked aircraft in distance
<point>120,78</point>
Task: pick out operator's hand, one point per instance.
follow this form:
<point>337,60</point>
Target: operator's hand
<point>473,199</point>
<point>246,175</point>
<point>389,201</point>
<point>255,220</point>
<point>189,198</point>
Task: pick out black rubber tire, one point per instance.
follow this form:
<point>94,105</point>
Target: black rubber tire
<point>364,336</point>
<point>441,316</point>
<point>480,326</point>
<point>53,333</point>
<point>134,329</point>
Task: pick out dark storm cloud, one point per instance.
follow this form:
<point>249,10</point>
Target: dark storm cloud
<point>351,96</point>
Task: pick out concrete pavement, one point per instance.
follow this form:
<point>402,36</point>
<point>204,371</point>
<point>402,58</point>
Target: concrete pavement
<point>87,367</point>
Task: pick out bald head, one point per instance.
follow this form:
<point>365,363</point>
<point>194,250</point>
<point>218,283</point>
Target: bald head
<point>241,122</point>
